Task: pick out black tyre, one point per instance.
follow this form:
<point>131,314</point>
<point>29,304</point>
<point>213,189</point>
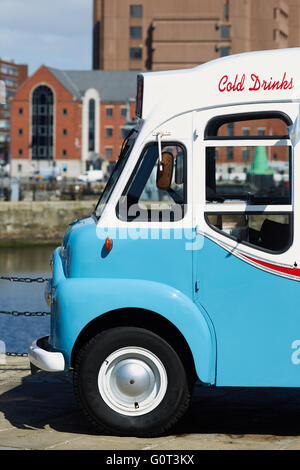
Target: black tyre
<point>129,381</point>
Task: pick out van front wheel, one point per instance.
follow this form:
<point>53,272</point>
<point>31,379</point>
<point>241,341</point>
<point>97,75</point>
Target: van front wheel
<point>130,381</point>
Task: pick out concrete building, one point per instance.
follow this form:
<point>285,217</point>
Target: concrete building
<point>11,77</point>
<point>70,119</point>
<point>172,34</point>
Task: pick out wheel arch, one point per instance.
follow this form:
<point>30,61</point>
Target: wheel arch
<point>138,317</point>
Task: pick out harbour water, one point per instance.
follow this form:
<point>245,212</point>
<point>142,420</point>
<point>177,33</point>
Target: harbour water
<point>17,332</point>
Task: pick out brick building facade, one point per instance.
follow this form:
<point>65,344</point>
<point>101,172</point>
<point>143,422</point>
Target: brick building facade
<point>70,119</point>
<point>174,34</point>
<point>12,75</point>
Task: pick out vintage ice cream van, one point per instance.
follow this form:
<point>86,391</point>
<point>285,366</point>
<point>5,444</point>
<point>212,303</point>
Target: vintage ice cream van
<point>189,266</point>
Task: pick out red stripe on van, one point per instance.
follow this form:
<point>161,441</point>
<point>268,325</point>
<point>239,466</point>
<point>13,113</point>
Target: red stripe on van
<point>289,271</point>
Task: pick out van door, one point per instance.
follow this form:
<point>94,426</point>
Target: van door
<point>247,269</point>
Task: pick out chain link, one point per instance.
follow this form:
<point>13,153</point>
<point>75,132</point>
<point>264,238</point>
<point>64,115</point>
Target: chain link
<point>24,279</point>
<point>15,313</point>
<point>25,314</point>
<point>16,354</point>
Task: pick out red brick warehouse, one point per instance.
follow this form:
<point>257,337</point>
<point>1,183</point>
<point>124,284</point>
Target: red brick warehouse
<point>12,75</point>
<point>71,119</point>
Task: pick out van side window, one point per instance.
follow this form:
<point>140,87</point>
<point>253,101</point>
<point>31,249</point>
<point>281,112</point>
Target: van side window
<point>257,176</point>
<point>234,126</point>
<point>270,232</point>
<point>142,200</point>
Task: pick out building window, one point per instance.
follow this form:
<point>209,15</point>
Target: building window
<point>135,53</point>
<point>10,93</point>
<point>8,70</point>
<point>225,31</point>
<point>19,168</point>
<point>124,132</point>
<point>245,154</point>
<point>108,152</point>
<point>229,154</point>
<point>11,82</point>
<point>136,32</point>
<point>4,124</point>
<point>20,111</point>
<point>245,131</point>
<point>65,111</point>
<point>92,111</point>
<point>20,132</point>
<point>42,123</point>
<point>261,131</point>
<point>230,129</point>
<point>41,151</point>
<point>124,112</point>
<point>226,10</point>
<point>108,131</point>
<point>65,132</point>
<point>4,137</point>
<point>224,51</point>
<point>136,11</point>
<point>64,153</point>
<point>20,152</point>
<point>109,111</point>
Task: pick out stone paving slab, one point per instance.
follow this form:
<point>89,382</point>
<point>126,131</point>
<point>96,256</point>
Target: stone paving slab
<point>40,413</point>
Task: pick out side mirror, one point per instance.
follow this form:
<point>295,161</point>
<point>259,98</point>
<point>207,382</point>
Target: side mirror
<point>165,171</point>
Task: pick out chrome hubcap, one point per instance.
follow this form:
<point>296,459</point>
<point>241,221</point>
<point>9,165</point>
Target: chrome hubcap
<point>132,381</point>
<point>132,378</point>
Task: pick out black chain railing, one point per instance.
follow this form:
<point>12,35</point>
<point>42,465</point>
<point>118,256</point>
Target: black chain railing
<point>16,354</point>
<point>23,279</point>
<point>16,313</point>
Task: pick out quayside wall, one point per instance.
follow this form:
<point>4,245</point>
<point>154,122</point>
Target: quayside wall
<point>40,221</point>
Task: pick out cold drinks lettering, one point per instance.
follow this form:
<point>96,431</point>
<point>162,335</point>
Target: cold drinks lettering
<point>259,84</point>
<point>236,85</point>
<point>255,83</point>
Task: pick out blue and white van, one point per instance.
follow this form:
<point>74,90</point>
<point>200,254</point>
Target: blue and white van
<point>189,266</point>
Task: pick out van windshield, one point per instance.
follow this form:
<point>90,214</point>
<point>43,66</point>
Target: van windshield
<point>127,146</point>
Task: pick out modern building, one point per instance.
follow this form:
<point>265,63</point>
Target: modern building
<point>70,119</point>
<point>12,75</point>
<point>173,34</point>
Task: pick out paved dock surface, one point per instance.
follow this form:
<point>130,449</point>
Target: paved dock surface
<point>40,413</point>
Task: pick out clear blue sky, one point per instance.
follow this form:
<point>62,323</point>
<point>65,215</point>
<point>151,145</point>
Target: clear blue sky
<point>57,33</point>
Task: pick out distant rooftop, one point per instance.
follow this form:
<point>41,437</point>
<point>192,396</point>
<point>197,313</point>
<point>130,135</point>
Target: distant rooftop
<point>112,85</point>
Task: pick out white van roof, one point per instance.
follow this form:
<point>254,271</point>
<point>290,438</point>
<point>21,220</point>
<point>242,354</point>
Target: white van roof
<point>252,77</point>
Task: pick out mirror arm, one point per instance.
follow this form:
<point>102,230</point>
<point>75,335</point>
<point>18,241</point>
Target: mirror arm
<point>159,152</point>
<point>159,135</point>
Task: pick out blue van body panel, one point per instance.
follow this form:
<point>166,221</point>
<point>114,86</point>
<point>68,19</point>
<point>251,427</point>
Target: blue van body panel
<point>256,319</point>
<point>89,282</point>
<point>82,300</point>
<point>137,254</point>
<point>241,324</point>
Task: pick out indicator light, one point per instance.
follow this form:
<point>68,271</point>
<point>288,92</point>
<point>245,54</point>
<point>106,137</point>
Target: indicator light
<point>108,244</point>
